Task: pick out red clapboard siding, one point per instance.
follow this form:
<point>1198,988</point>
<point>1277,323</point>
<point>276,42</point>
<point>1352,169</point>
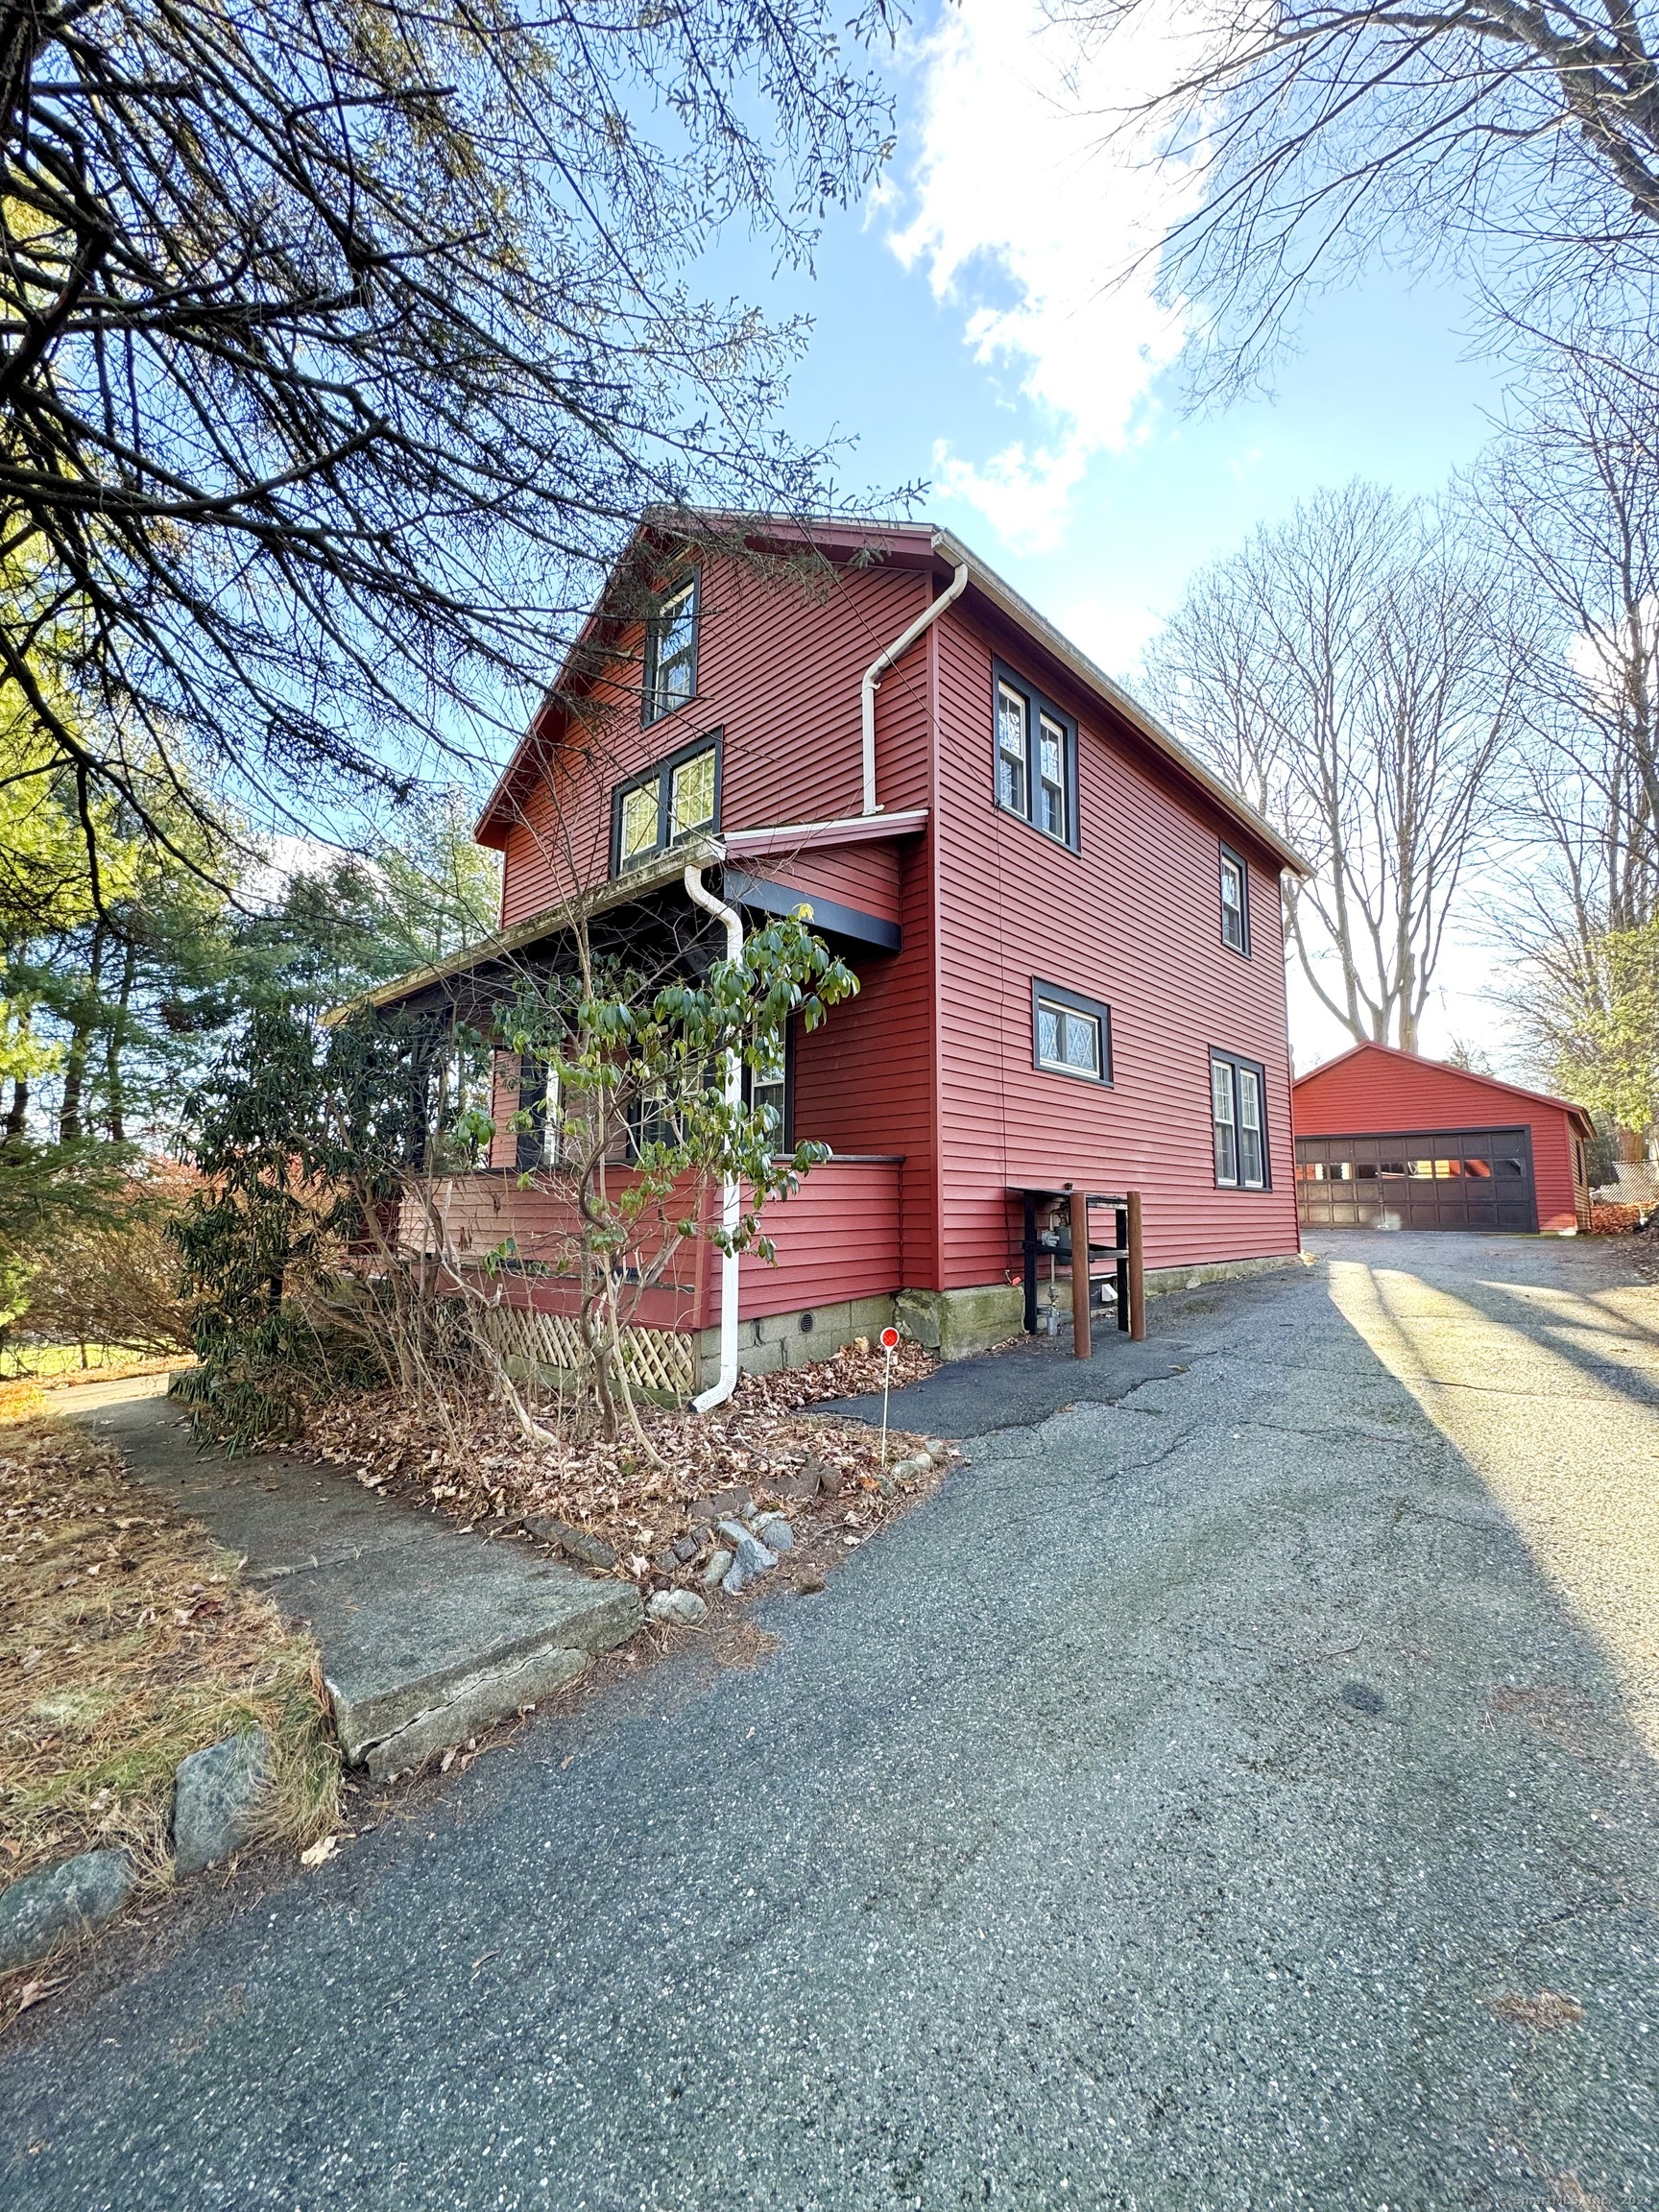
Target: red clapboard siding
<point>1132,919</point>
<point>864,877</point>
<point>836,1239</point>
<point>933,1061</point>
<point>1376,1090</point>
<point>779,672</point>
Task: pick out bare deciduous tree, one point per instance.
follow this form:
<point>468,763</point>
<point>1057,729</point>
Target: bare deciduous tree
<point>1571,496</point>
<point>1326,134</point>
<point>343,341</point>
<point>1343,672</point>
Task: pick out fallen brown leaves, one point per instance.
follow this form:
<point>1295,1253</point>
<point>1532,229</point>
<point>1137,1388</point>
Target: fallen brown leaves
<point>472,1462</point>
<point>127,1643</point>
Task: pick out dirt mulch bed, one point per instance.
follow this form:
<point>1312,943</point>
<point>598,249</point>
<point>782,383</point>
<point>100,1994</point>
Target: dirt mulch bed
<point>127,1643</point>
<point>766,1446</point>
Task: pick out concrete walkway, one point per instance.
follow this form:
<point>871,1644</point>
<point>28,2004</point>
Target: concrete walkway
<point>1236,1798</point>
<point>427,1634</point>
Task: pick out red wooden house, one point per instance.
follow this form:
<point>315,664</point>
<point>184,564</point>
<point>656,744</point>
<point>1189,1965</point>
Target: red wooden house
<point>1068,932</point>
<point>1387,1139</point>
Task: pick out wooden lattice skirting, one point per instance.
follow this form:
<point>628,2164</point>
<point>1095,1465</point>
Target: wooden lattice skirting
<point>659,1359</point>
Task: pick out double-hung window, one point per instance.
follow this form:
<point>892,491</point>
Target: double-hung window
<point>537,1147</point>
<point>1071,1035</point>
<point>672,800</point>
<point>670,651</point>
<point>768,1087</point>
<point>1235,902</point>
<point>1036,758</point>
<point>1238,1114</point>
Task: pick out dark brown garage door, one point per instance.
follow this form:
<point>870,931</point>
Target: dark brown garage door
<point>1438,1179</point>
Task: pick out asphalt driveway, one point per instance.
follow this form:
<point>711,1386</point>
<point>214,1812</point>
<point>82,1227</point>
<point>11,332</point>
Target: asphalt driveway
<point>1242,1795</point>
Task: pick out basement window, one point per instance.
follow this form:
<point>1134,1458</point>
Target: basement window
<point>1238,1114</point>
<point>670,651</point>
<point>670,801</point>
<point>1071,1035</point>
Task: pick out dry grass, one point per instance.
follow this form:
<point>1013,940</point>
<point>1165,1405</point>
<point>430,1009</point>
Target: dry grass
<point>127,1643</point>
<point>472,1463</point>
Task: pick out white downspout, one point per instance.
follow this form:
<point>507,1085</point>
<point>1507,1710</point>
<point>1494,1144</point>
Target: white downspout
<point>730,1199</point>
<point>879,666</point>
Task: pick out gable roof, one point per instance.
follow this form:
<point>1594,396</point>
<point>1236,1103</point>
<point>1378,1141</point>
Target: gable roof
<point>1580,1118</point>
<point>918,544</point>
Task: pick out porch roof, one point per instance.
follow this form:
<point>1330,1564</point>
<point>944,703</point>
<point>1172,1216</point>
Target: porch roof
<point>643,885</point>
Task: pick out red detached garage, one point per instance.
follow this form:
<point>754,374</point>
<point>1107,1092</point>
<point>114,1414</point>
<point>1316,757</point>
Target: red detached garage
<point>1387,1140</point>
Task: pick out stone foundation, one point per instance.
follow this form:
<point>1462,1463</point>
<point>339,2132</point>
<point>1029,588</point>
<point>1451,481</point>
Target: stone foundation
<point>958,1323</point>
<point>1159,1280</point>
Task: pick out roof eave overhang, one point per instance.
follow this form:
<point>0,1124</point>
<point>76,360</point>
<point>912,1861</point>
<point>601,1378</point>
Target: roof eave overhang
<point>1077,663</point>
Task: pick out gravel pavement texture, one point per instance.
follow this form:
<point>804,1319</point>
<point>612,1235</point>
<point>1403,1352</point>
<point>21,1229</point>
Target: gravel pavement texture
<point>1239,1796</point>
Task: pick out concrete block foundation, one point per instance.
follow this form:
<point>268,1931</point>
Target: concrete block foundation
<point>769,1342</point>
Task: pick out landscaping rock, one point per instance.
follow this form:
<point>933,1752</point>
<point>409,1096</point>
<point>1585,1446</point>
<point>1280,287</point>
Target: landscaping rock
<point>775,1531</point>
<point>750,1557</point>
<point>937,1450</point>
<point>718,1569</point>
<point>806,1480</point>
<point>724,1505</point>
<point>685,1549</point>
<point>681,1608</point>
<point>46,1909</point>
<point>216,1796</point>
<point>910,1469</point>
<point>578,1543</point>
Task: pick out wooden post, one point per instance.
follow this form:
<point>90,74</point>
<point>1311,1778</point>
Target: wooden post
<point>1082,1341</point>
<point>1137,1272</point>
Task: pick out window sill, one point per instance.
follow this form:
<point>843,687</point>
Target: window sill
<point>1074,1075</point>
<point>656,721</point>
<point>1059,844</point>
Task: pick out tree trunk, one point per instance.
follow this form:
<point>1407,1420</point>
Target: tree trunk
<point>75,1061</point>
<point>117,1038</point>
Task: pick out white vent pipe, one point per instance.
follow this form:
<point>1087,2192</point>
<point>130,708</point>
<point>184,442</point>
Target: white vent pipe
<point>730,1199</point>
<point>879,666</point>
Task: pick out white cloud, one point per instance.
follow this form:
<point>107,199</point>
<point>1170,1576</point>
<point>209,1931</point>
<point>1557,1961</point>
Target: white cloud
<point>1021,212</point>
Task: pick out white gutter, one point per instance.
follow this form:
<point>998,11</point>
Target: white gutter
<point>879,666</point>
<point>730,1199</point>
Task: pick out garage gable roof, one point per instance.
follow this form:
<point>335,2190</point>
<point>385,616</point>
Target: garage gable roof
<point>1580,1118</point>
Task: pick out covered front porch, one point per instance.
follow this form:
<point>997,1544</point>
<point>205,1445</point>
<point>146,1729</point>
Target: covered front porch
<point>508,1230</point>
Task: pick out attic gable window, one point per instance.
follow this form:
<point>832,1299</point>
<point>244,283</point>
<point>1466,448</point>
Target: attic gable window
<point>670,651</point>
<point>1036,766</point>
<point>672,800</point>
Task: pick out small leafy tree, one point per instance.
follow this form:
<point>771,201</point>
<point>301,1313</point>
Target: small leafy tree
<point>636,1127</point>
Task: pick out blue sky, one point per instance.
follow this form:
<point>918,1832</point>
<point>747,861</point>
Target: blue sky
<point>963,335</point>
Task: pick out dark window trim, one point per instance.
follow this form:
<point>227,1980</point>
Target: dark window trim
<point>786,1135</point>
<point>1058,995</point>
<point>1228,852</point>
<point>530,1149</point>
<point>1036,702</point>
<point>650,711</point>
<point>1236,1061</point>
<point>661,772</point>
